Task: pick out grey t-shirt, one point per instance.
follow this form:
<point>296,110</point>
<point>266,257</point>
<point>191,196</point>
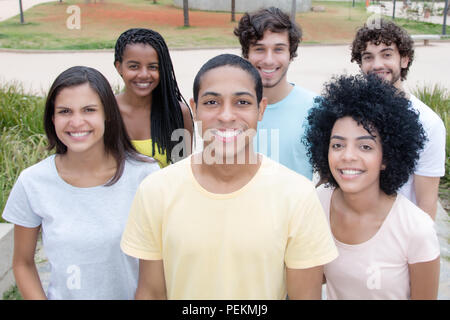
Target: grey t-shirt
<point>81,229</point>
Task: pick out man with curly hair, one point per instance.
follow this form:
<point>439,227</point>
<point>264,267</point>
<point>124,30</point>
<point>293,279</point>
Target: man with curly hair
<point>269,40</point>
<point>387,50</point>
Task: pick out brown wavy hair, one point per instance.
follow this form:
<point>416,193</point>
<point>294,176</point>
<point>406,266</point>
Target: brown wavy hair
<point>386,32</point>
<point>252,26</point>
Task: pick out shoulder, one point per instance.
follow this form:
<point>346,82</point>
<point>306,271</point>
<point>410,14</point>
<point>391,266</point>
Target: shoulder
<point>414,220</point>
<point>284,179</point>
<point>148,166</point>
<point>42,169</point>
<point>304,93</point>
<point>168,176</point>
<point>430,120</point>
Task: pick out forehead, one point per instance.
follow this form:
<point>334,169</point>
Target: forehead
<point>372,47</point>
<point>226,80</point>
<point>139,50</point>
<point>349,128</point>
<point>77,95</point>
<point>271,38</point>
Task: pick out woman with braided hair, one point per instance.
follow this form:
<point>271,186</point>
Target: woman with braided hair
<point>151,105</point>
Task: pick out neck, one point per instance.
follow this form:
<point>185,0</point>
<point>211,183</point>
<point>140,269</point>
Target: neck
<point>137,101</point>
<point>277,93</point>
<point>225,178</point>
<point>89,161</point>
<point>363,202</point>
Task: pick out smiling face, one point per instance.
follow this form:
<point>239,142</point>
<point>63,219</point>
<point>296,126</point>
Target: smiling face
<point>355,157</point>
<point>271,57</point>
<point>79,119</point>
<point>139,69</point>
<point>228,110</point>
<point>384,61</point>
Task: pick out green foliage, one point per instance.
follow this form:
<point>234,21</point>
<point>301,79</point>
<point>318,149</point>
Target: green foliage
<point>438,99</point>
<point>12,294</point>
<point>21,137</point>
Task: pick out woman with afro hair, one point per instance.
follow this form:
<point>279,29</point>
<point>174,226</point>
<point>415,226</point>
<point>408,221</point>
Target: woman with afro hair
<point>364,141</point>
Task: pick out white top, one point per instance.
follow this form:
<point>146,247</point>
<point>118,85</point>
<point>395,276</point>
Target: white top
<point>378,267</point>
<point>432,158</point>
<point>81,229</point>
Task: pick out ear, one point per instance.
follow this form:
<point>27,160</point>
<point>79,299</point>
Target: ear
<point>262,108</point>
<point>383,166</point>
<point>404,62</point>
<point>118,66</point>
<point>193,108</point>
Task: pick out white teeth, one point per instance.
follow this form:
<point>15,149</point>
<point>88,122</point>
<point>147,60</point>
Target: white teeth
<point>351,172</point>
<point>143,85</point>
<point>268,71</point>
<point>228,133</point>
<point>79,134</point>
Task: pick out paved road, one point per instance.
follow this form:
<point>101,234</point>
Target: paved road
<point>10,8</point>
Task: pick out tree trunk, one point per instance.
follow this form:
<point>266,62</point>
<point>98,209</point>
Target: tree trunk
<point>293,10</point>
<point>186,13</point>
<point>233,9</point>
<point>22,21</point>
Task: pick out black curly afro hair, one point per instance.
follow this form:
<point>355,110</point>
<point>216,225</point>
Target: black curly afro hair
<point>376,105</point>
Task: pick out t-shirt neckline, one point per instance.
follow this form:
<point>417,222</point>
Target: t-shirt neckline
<point>224,195</point>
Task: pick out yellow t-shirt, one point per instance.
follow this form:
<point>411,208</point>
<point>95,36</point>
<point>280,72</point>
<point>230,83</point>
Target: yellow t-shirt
<point>228,246</point>
<point>145,147</point>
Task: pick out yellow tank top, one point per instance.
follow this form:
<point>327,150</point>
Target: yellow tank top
<point>145,147</point>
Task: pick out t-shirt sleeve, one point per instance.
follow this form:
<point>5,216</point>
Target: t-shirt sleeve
<point>310,242</point>
<point>423,244</point>
<point>18,209</point>
<point>142,236</point>
<point>432,158</point>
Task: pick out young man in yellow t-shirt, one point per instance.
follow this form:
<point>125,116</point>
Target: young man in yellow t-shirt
<point>227,223</point>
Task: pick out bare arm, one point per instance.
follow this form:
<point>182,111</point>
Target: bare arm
<point>426,189</point>
<point>424,279</point>
<point>304,284</point>
<point>24,267</point>
<point>188,125</point>
<point>151,285</point>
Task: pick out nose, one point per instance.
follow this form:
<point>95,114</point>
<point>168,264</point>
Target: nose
<point>76,120</point>
<point>268,57</point>
<point>377,63</point>
<point>143,72</point>
<point>349,154</point>
<point>226,113</point>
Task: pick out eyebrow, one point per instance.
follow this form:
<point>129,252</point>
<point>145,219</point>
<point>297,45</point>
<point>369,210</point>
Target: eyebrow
<point>276,44</point>
<point>239,93</point>
<point>359,138</point>
<point>87,106</point>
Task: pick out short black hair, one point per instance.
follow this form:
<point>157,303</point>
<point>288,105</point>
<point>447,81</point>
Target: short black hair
<point>387,32</point>
<point>374,104</point>
<point>116,140</point>
<point>229,60</point>
<point>252,26</point>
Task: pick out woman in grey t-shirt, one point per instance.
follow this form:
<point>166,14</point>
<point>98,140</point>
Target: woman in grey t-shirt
<point>80,196</point>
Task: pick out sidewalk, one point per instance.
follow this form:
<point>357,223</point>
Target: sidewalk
<point>10,8</point>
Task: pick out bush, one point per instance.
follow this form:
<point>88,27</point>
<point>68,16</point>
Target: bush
<point>438,99</point>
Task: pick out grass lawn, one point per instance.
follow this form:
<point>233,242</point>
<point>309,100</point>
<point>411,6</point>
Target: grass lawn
<point>101,24</point>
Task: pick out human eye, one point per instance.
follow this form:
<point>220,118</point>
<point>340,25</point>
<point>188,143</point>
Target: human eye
<point>154,67</point>
<point>243,102</point>
<point>336,146</point>
<point>366,58</point>
<point>133,66</point>
<point>210,102</point>
<point>366,147</point>
<point>63,111</point>
<point>90,109</point>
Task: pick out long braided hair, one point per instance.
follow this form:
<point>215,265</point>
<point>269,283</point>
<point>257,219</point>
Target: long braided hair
<point>166,115</point>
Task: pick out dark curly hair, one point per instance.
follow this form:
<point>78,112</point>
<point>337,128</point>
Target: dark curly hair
<point>166,115</point>
<point>252,26</point>
<point>387,32</point>
<point>376,105</point>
